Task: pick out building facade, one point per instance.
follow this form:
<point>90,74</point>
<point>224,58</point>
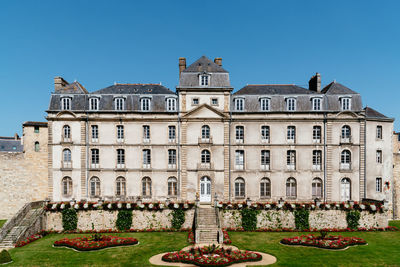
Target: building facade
<point>261,142</point>
<point>396,175</point>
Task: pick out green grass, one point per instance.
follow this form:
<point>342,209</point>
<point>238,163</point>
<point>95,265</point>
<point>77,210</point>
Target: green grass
<point>395,223</point>
<point>2,222</point>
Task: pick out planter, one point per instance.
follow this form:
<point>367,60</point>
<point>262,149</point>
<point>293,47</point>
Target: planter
<point>328,242</point>
<point>93,243</point>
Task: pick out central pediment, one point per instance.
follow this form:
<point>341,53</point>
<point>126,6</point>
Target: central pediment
<point>205,111</point>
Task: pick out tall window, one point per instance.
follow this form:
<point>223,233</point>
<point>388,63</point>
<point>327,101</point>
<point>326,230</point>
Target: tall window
<point>316,188</point>
<point>66,186</point>
<point>145,104</point>
<point>239,159</point>
<point>265,133</point>
<point>146,187</point>
<point>379,156</point>
<point>205,132</point>
<point>239,134</point>
<point>65,103</point>
<point>291,104</point>
<point>378,184</point>
<point>379,132</point>
<point>345,160</point>
<point>265,159</point>
<point>291,187</point>
<point>93,103</point>
<point>345,189</point>
<point>204,80</point>
<point>36,129</point>
<point>95,158</point>
<point>264,104</point>
<point>171,133</point>
<point>316,103</point>
<point>172,186</point>
<point>317,159</point>
<point>239,188</point>
<point>291,159</point>
<point>94,187</point>
<point>317,134</point>
<point>346,133</point>
<point>239,104</point>
<point>205,156</point>
<point>120,186</point>
<point>37,146</point>
<point>171,104</point>
<point>345,103</point>
<point>120,133</point>
<point>120,158</point>
<point>67,161</point>
<point>265,188</point>
<point>95,133</point>
<point>119,103</point>
<point>146,158</point>
<point>291,133</point>
<point>146,133</point>
<point>171,158</point>
<point>66,133</point>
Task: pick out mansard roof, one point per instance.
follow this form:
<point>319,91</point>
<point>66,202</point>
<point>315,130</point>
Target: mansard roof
<point>335,88</point>
<point>273,89</point>
<point>372,113</point>
<point>204,64</point>
<point>131,88</point>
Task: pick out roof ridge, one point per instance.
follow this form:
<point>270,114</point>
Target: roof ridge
<point>280,84</point>
<point>138,84</point>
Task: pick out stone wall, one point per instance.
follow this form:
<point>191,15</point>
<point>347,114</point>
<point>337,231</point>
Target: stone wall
<point>396,185</point>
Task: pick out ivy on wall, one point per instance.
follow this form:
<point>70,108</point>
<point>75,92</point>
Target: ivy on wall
<point>124,220</point>
<point>353,219</point>
<point>249,219</point>
<point>178,218</point>
<point>69,219</point>
<point>301,219</point>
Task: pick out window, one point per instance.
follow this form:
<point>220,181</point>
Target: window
<point>379,156</point>
<point>214,101</point>
<point>239,134</point>
<point>66,186</point>
<point>93,104</point>
<point>146,133</point>
<point>291,134</point>
<point>345,160</point>
<point>146,158</point>
<point>378,185</point>
<point>95,158</point>
<point>145,104</point>
<point>205,156</point>
<point>36,129</point>
<point>239,159</point>
<point>265,159</point>
<point>316,188</point>
<point>239,188</point>
<point>379,132</point>
<point>195,101</point>
<point>95,133</point>
<point>205,132</point>
<point>265,133</point>
<point>239,104</point>
<point>67,161</point>
<point>171,133</point>
<point>171,158</point>
<point>120,158</point>
<point>291,159</point>
<point>37,147</point>
<point>65,103</point>
<point>204,79</point>
<point>316,103</point>
<point>120,186</point>
<point>265,188</point>
<point>171,104</point>
<point>291,104</point>
<point>66,133</point>
<point>345,189</point>
<point>172,186</point>
<point>119,103</point>
<point>346,133</point>
<point>317,134</point>
<point>291,188</point>
<point>146,187</point>
<point>317,159</point>
<point>264,104</point>
<point>345,103</point>
<point>120,133</point>
<point>94,187</point>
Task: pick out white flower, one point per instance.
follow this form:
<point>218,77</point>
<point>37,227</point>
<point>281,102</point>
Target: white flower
<point>109,206</point>
<point>54,206</point>
<point>230,206</point>
<point>293,206</point>
<point>303,206</point>
<point>362,206</point>
<point>219,205</point>
<point>337,206</point>
<point>312,206</point>
<point>240,206</point>
<point>96,205</point>
<point>71,203</point>
<point>267,206</point>
<point>373,207</point>
<point>141,206</point>
<point>185,205</point>
<point>176,206</point>
<point>128,206</point>
<point>328,206</point>
<point>62,206</point>
<point>151,206</point>
<point>346,206</point>
<point>161,206</point>
<point>280,206</point>
<point>119,205</point>
<point>85,206</point>
<point>76,206</point>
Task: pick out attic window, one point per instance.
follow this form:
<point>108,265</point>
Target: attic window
<point>345,103</point>
<point>145,104</point>
<point>93,103</point>
<point>65,103</point>
<point>316,103</point>
<point>264,104</point>
<point>291,104</point>
<point>119,103</point>
<point>204,80</point>
<point>171,104</point>
<point>239,104</point>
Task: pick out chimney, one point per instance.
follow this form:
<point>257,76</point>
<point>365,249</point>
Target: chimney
<point>315,83</point>
<point>59,83</point>
<point>218,61</point>
<point>16,137</point>
<point>182,64</point>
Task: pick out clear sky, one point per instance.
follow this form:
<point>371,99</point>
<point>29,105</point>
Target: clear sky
<point>356,43</point>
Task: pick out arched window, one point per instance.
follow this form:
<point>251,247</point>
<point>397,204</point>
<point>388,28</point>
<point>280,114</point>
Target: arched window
<point>66,133</point>
<point>120,186</point>
<point>345,160</point>
<point>205,132</point>
<point>291,187</point>
<point>239,188</point>
<point>67,162</point>
<point>265,188</point>
<point>345,189</point>
<point>146,187</point>
<point>205,156</point>
<point>172,186</point>
<point>37,146</point>
<point>316,188</point>
<point>94,187</point>
<point>346,132</point>
<point>66,184</point>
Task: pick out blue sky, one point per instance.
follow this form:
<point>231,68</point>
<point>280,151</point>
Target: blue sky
<point>99,42</point>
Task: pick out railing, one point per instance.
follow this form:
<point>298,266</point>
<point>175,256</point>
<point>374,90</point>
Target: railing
<point>345,166</point>
<point>346,140</point>
<point>265,167</point>
<point>205,140</point>
<point>316,167</point>
<point>205,166</point>
<point>67,164</point>
<point>291,167</point>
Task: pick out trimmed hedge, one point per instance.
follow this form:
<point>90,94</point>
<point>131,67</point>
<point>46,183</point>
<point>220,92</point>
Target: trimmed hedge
<point>249,219</point>
<point>301,219</point>
<point>178,218</point>
<point>124,220</point>
<point>69,219</point>
<point>5,257</point>
<point>353,218</point>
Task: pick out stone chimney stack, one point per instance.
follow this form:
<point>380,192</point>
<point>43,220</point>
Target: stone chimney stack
<point>59,83</point>
<point>218,61</point>
<point>315,83</point>
<point>16,136</point>
<point>182,64</point>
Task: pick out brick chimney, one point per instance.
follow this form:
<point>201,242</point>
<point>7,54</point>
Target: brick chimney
<point>59,83</point>
<point>182,64</point>
<point>315,83</point>
<point>218,61</point>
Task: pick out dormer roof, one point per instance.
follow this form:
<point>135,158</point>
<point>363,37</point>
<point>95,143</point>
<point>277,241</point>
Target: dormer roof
<point>204,64</point>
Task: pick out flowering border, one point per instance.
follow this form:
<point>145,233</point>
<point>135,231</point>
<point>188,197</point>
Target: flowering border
<point>86,244</point>
<point>360,229</point>
<point>328,242</point>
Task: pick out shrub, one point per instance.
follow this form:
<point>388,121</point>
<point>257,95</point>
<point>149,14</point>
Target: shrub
<point>69,219</point>
<point>124,220</point>
<point>249,219</point>
<point>352,218</point>
<point>301,219</point>
<point>5,257</point>
<point>178,218</point>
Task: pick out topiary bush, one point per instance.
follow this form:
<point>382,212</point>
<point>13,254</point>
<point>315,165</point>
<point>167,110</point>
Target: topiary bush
<point>178,218</point>
<point>353,218</point>
<point>5,257</point>
<point>124,220</point>
<point>301,219</point>
<point>69,219</point>
<point>249,219</point>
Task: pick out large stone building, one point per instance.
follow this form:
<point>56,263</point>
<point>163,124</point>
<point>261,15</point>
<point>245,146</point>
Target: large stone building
<point>396,175</point>
<point>263,142</point>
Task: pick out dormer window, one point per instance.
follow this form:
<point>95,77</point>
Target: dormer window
<point>291,104</point>
<point>264,104</point>
<point>316,103</point>
<point>345,103</point>
<point>119,103</point>
<point>93,103</point>
<point>239,104</point>
<point>145,104</point>
<point>65,103</point>
<point>171,104</point>
<point>204,80</point>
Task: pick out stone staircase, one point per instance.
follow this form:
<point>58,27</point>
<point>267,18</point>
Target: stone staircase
<point>207,227</point>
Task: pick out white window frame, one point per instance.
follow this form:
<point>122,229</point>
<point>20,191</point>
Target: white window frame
<point>171,158</point>
<point>316,103</point>
<point>171,104</point>
<point>120,133</point>
<point>171,133</point>
<point>379,156</point>
<point>378,184</point>
<point>345,160</point>
<point>265,160</point>
<point>145,104</point>
<point>95,133</point>
<point>265,104</point>
<point>345,103</point>
<point>379,132</point>
<point>93,103</point>
<point>265,133</point>
<point>265,188</point>
<point>119,104</point>
<point>291,134</point>
<point>204,80</point>
<point>146,158</point>
<point>66,103</point>
<point>146,133</point>
<point>291,187</point>
<point>240,188</point>
<point>316,160</point>
<point>239,134</point>
<point>291,104</point>
<point>94,158</point>
<point>212,101</point>
<point>239,104</point>
<point>120,158</point>
<point>239,159</point>
<point>291,160</point>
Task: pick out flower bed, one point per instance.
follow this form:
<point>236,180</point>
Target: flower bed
<point>95,242</point>
<point>360,229</point>
<point>327,242</point>
<point>211,256</point>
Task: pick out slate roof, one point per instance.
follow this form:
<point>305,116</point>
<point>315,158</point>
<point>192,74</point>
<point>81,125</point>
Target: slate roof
<point>9,144</point>
<point>372,113</point>
<point>35,123</point>
<point>335,88</point>
<point>73,88</point>
<point>134,89</point>
<point>204,64</point>
<point>273,89</point>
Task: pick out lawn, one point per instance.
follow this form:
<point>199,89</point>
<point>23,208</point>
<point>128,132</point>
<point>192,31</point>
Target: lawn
<point>2,222</point>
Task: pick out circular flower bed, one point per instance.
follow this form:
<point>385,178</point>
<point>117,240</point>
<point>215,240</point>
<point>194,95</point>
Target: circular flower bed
<point>95,242</point>
<point>327,242</point>
<point>211,256</point>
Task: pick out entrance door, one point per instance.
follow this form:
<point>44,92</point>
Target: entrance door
<point>346,189</point>
<point>205,189</point>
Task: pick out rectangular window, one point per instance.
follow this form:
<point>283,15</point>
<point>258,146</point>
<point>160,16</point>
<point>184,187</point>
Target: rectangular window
<point>214,101</point>
<point>265,159</point>
<point>145,104</point>
<point>239,134</point>
<point>171,104</point>
<point>239,104</point>
<point>378,184</point>
<point>379,156</point>
<point>239,159</point>
<point>36,129</point>
<point>317,159</point>
<point>66,103</point>
<point>93,104</point>
<point>379,132</point>
<point>291,133</point>
<point>146,158</point>
<point>195,101</point>
<point>146,133</point>
<point>316,104</point>
<point>95,158</point>
<point>171,158</point>
<point>120,158</point>
<point>291,160</point>
<point>317,134</point>
<point>265,133</point>
<point>95,133</point>
<point>171,133</point>
<point>120,133</point>
<point>119,103</point>
<point>204,80</point>
<point>264,104</point>
<point>345,103</point>
<point>291,104</point>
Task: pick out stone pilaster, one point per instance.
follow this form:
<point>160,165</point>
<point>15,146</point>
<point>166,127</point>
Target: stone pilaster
<point>329,169</point>
<point>362,160</point>
<point>226,161</point>
<point>83,166</point>
<point>184,161</point>
<point>50,159</point>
